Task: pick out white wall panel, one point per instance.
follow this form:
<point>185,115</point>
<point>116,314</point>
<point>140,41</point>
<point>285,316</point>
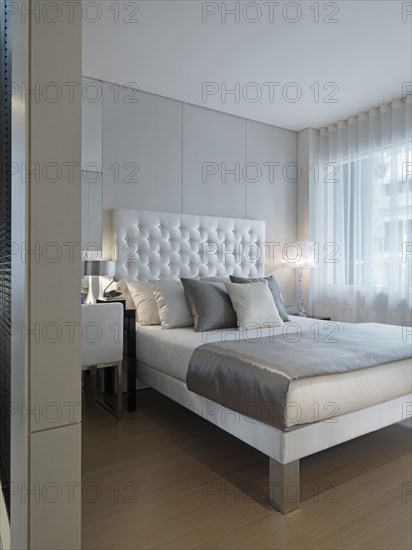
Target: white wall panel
<point>92,209</point>
<point>271,192</point>
<point>92,119</point>
<point>213,142</point>
<point>46,366</point>
<point>54,210</point>
<point>196,160</point>
<point>308,155</point>
<point>55,482</point>
<point>92,162</point>
<point>142,151</point>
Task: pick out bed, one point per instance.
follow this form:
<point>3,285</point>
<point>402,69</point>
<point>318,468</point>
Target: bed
<point>322,412</point>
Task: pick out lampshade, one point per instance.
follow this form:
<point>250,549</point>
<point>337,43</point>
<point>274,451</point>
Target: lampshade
<point>305,256</point>
<point>99,268</point>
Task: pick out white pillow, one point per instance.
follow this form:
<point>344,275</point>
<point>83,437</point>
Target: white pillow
<point>254,304</point>
<point>145,303</point>
<point>123,288</point>
<point>171,304</point>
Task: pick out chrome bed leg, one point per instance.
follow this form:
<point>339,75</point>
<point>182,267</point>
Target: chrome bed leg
<point>284,489</point>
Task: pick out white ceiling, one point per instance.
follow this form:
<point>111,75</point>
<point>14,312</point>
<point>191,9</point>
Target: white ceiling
<point>170,51</point>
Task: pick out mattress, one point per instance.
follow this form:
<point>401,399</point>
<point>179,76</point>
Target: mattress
<point>309,400</point>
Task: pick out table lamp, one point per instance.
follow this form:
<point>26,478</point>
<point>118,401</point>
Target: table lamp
<point>304,260</point>
<point>97,268</point>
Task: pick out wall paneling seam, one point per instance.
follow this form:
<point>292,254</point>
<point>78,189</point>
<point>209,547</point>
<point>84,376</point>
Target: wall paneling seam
<point>246,160</point>
<point>182,161</point>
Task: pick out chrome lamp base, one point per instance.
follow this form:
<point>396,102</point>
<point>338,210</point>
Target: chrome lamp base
<point>302,311</point>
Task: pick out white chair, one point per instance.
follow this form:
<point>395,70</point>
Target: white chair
<point>102,346</point>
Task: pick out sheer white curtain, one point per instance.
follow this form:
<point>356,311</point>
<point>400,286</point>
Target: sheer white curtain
<point>361,217</point>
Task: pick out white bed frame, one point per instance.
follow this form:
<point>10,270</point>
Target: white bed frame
<point>153,245</point>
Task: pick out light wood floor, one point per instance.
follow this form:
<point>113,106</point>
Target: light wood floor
<point>165,478</point>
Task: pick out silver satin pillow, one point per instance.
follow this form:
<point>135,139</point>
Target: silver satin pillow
<point>209,304</point>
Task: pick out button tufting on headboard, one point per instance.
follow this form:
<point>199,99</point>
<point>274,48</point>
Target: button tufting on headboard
<point>161,244</point>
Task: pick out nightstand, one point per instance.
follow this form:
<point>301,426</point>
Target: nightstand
<point>129,326</point>
<point>115,301</point>
<point>103,350</point>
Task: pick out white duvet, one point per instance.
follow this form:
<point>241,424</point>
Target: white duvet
<point>309,400</point>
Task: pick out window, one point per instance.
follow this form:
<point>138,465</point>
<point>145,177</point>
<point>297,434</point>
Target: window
<point>365,210</point>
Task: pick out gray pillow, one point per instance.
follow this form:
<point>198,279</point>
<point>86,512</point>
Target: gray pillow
<point>273,287</point>
<point>216,279</point>
<point>209,304</point>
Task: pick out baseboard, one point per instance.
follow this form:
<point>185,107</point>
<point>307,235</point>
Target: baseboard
<point>141,385</point>
<point>406,423</point>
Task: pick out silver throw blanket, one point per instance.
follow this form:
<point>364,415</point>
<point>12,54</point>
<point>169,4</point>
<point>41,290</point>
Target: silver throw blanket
<point>253,377</point>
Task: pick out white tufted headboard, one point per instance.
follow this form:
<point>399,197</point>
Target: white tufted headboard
<point>161,245</point>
